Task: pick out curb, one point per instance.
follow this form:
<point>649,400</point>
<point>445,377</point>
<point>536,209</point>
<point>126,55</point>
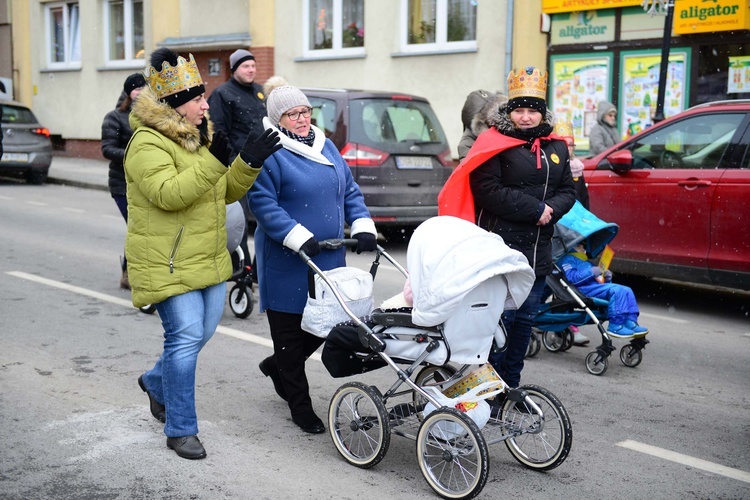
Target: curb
<point>81,184</point>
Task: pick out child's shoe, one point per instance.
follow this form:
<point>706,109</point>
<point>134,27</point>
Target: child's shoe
<point>637,329</point>
<point>578,338</point>
<point>619,330</point>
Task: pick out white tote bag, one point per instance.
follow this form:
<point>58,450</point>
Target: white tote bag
<point>324,311</point>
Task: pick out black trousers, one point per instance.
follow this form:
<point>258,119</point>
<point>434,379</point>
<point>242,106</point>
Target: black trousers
<point>292,346</point>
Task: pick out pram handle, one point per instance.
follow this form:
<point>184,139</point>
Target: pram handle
<point>336,243</point>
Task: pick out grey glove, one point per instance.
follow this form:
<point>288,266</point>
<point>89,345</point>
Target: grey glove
<point>255,151</point>
<point>311,247</point>
<point>608,276</point>
<point>596,271</point>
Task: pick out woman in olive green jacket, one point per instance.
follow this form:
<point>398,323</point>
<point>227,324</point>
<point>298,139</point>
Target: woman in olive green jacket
<point>178,184</point>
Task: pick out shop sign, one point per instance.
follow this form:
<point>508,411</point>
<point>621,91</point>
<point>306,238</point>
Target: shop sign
<point>578,83</point>
<point>639,86</point>
<point>705,16</point>
<point>555,6</point>
<point>582,27</point>
<point>739,75</point>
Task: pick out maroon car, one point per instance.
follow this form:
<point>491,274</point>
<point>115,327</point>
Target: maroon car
<point>680,192</point>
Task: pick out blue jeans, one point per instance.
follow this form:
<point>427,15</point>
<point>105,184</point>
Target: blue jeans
<point>189,321</point>
<point>518,323</point>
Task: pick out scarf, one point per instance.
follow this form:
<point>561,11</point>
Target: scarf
<point>307,141</point>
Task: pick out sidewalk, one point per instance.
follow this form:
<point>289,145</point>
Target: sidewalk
<point>80,172</point>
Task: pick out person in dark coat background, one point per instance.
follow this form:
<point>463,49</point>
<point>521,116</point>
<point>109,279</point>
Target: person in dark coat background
<point>516,182</point>
<point>116,133</point>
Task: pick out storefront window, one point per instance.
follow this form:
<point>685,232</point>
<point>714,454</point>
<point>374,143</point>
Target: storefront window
<point>714,82</point>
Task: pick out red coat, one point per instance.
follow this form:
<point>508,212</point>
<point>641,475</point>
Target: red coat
<point>456,198</point>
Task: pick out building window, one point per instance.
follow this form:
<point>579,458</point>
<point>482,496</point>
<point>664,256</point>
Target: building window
<point>63,27</point>
<point>334,27</point>
<point>123,28</point>
<point>436,25</point>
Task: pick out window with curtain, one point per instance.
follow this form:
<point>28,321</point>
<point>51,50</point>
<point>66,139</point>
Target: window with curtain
<point>63,34</point>
<point>123,22</point>
<point>335,26</point>
<point>440,24</point>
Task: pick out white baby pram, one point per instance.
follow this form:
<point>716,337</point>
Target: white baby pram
<point>462,278</point>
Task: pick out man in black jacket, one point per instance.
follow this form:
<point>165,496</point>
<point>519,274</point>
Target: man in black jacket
<point>237,107</point>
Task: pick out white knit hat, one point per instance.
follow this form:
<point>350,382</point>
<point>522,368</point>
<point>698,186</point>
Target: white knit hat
<point>282,99</point>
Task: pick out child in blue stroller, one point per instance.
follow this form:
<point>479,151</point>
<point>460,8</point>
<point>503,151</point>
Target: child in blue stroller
<point>578,298</point>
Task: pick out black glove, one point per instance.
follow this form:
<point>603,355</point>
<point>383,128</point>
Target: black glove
<point>255,152</point>
<point>366,242</point>
<point>203,129</point>
<point>311,247</point>
<point>220,148</point>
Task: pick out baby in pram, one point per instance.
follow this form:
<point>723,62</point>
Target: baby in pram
<point>622,308</point>
<point>461,278</point>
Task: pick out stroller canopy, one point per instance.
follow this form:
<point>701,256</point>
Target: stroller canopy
<point>448,257</point>
<point>581,225</point>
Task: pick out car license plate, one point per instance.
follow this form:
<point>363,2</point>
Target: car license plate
<point>19,157</point>
<point>422,162</point>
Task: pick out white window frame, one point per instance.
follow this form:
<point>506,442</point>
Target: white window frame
<point>337,50</point>
<point>68,50</point>
<point>441,33</point>
<point>130,60</point>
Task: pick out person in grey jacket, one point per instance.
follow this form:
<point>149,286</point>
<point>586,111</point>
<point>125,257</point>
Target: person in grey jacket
<point>604,134</point>
<point>479,105</point>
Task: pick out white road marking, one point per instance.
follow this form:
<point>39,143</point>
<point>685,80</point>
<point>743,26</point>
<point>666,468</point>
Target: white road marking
<point>74,210</point>
<point>6,198</point>
<point>231,332</point>
<point>36,203</point>
<point>114,217</point>
<point>686,460</point>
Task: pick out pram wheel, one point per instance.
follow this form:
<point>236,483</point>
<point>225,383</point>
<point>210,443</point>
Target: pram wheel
<point>630,355</point>
<point>358,424</point>
<point>534,345</point>
<point>240,301</point>
<point>596,364</point>
<point>431,375</point>
<point>148,309</point>
<point>553,341</point>
<point>538,444</point>
<point>567,339</point>
<point>452,454</point>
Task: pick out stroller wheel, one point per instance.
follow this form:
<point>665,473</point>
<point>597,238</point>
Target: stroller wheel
<point>452,454</point>
<point>631,356</point>
<point>431,375</point>
<point>567,339</point>
<point>596,364</point>
<point>148,309</point>
<point>553,341</point>
<point>358,424</point>
<point>240,301</point>
<point>539,443</point>
<point>534,345</point>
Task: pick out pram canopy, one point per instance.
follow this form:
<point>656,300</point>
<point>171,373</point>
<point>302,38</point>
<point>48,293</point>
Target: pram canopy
<point>580,225</point>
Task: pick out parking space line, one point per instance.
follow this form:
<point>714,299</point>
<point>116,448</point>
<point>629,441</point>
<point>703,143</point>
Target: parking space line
<point>230,332</point>
<point>686,460</point>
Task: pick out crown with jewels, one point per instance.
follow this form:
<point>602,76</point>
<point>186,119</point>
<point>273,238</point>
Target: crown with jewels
<point>173,79</point>
<point>528,82</point>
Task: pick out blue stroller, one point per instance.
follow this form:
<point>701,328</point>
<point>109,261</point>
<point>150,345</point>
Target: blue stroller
<point>567,306</point>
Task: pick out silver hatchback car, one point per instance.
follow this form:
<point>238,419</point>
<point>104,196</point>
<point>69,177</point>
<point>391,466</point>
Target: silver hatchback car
<point>27,149</point>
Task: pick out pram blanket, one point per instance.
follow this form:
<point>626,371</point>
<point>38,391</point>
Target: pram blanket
<point>448,257</point>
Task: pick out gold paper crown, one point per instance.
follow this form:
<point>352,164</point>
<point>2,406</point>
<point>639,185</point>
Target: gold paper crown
<point>528,82</point>
<point>564,129</point>
<point>173,79</point>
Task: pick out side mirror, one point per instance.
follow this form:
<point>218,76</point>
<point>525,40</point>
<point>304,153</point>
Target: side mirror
<point>620,161</point>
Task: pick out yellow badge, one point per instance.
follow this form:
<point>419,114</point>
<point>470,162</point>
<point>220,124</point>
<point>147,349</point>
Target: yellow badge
<point>554,158</point>
<point>261,96</point>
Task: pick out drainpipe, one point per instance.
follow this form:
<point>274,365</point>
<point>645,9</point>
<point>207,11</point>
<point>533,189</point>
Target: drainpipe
<point>509,39</point>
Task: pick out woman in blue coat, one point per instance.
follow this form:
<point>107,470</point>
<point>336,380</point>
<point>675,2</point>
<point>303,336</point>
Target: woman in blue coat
<point>304,193</point>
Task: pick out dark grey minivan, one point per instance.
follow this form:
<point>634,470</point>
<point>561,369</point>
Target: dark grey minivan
<point>26,144</point>
<point>395,147</point>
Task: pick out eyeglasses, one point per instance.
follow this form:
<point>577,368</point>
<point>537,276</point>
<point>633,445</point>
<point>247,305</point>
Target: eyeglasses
<point>294,115</point>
